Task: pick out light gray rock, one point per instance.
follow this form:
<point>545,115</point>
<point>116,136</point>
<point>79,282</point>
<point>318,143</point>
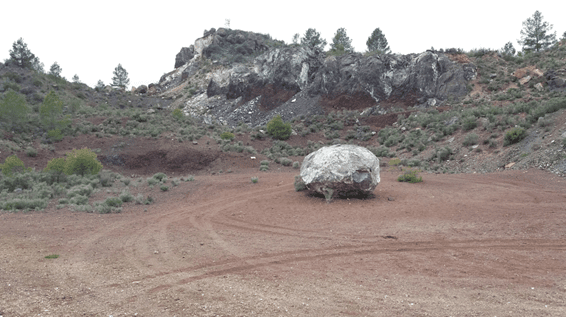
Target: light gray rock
<point>341,170</point>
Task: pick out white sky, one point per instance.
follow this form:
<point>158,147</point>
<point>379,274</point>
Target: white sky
<point>90,38</point>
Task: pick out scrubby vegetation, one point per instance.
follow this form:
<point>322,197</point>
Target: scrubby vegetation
<point>278,129</point>
<point>410,176</point>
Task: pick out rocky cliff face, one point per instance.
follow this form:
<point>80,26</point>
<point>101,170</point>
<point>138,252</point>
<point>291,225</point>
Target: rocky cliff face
<point>248,77</point>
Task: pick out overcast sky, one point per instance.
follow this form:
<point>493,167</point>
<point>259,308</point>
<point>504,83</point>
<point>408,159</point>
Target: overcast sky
<point>144,36</point>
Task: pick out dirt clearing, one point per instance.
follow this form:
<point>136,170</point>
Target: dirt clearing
<point>454,245</point>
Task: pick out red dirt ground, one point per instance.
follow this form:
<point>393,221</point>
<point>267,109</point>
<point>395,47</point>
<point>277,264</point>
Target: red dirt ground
<point>454,245</point>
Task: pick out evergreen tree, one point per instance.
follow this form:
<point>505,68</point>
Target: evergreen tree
<point>100,85</point>
<point>37,65</point>
<point>296,38</point>
<point>13,109</point>
<point>120,78</point>
<point>76,79</point>
<point>55,70</point>
<point>535,35</point>
<point>51,112</point>
<point>341,43</point>
<point>377,42</point>
<point>22,56</point>
<point>312,39</point>
<point>508,49</point>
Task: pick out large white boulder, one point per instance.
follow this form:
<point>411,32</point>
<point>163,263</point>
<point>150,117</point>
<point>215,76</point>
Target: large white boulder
<point>341,170</point>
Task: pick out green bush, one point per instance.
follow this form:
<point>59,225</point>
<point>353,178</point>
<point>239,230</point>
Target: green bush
<point>177,114</point>
<point>299,183</point>
<point>164,188</point>
<point>12,86</point>
<point>56,167</point>
<point>13,109</point>
<point>227,135</point>
<point>380,151</point>
<point>31,152</point>
<point>55,135</point>
<point>469,124</point>
<point>285,161</point>
<point>471,139</point>
<point>394,162</point>
<point>51,113</point>
<point>82,162</point>
<point>152,181</point>
<point>160,176</point>
<point>410,176</point>
<point>296,165</point>
<point>80,190</point>
<point>255,180</point>
<point>78,200</point>
<point>278,129</point>
<point>514,135</point>
<point>113,202</point>
<point>106,178</point>
<point>13,164</point>
<point>24,204</point>
<point>442,154</point>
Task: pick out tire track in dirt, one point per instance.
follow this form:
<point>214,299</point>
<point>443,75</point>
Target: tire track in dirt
<point>167,269</point>
<point>255,262</point>
<point>140,254</point>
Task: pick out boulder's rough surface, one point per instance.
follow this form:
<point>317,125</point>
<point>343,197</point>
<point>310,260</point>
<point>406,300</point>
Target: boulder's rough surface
<point>554,80</point>
<point>141,89</point>
<point>341,170</point>
<point>184,56</point>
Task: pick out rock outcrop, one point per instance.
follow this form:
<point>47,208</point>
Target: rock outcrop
<point>341,170</point>
<point>424,79</point>
<point>554,81</point>
<point>184,56</point>
<point>250,77</point>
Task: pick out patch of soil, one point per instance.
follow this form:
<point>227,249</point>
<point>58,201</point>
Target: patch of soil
<point>272,96</point>
<point>380,122</point>
<point>357,101</point>
<point>454,245</point>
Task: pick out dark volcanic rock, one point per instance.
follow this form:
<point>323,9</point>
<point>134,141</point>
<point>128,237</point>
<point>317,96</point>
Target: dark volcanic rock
<point>184,56</point>
<point>253,76</point>
<point>141,89</point>
<point>382,77</point>
<point>553,80</point>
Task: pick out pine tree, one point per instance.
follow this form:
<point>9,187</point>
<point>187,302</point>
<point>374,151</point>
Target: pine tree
<point>296,38</point>
<point>312,39</point>
<point>51,112</point>
<point>100,85</point>
<point>22,56</point>
<point>377,42</point>
<point>535,35</point>
<point>55,70</point>
<point>508,49</point>
<point>13,109</point>
<point>341,43</point>
<point>120,78</point>
<point>76,79</point>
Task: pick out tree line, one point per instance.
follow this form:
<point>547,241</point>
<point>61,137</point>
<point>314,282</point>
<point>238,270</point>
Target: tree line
<point>21,56</point>
<point>536,35</point>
